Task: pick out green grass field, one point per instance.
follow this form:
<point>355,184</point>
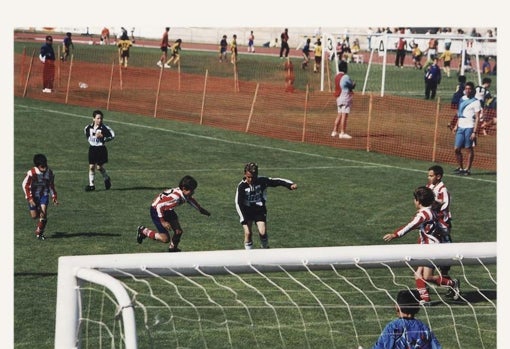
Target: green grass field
<point>344,198</point>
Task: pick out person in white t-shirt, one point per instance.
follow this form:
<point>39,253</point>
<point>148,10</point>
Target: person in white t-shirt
<point>466,128</point>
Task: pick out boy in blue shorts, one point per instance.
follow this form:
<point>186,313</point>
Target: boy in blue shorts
<point>38,186</point>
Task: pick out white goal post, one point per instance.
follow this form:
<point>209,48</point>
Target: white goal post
<point>381,43</point>
<point>459,45</point>
<point>109,271</point>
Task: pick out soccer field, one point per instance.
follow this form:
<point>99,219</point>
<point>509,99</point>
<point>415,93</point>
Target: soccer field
<point>345,198</point>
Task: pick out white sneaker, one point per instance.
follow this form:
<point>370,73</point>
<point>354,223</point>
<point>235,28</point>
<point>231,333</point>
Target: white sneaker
<point>344,136</point>
<point>334,134</point>
<point>46,90</point>
<point>159,64</point>
<point>167,66</point>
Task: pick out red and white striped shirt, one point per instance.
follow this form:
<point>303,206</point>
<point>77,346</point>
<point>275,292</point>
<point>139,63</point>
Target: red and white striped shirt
<point>169,199</point>
<point>38,184</point>
<point>425,220</point>
<point>443,197</point>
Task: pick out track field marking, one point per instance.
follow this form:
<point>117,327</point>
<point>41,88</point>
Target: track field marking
<point>283,150</point>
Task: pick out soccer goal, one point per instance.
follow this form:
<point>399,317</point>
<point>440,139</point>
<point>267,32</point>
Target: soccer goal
<point>329,297</point>
<point>467,49</point>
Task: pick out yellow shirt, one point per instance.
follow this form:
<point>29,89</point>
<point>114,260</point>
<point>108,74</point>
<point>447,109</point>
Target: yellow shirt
<point>124,45</point>
<point>446,56</point>
<point>317,51</point>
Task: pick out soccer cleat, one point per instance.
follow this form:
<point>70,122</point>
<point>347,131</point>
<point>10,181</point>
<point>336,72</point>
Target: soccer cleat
<point>90,188</point>
<point>425,303</point>
<point>465,173</point>
<point>454,291</point>
<point>159,64</point>
<point>40,236</point>
<point>334,134</point>
<point>167,66</point>
<point>458,170</point>
<point>46,90</point>
<point>344,136</point>
<point>107,183</point>
<point>139,234</point>
<point>174,249</point>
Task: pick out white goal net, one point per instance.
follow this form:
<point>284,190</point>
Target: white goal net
<point>330,297</point>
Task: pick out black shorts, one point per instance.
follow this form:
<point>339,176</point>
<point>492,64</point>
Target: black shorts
<point>254,214</point>
<point>164,49</point>
<point>98,155</point>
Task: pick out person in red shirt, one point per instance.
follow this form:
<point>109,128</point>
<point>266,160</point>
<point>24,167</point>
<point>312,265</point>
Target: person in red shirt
<point>401,46</point>
<point>163,214</point>
<point>165,44</point>
<point>38,185</point>
<point>426,222</point>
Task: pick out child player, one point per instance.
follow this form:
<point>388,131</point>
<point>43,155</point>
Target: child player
<point>164,217</point>
<point>250,201</point>
<point>426,222</point>
<point>444,217</point>
<point>406,331</point>
<point>38,185</point>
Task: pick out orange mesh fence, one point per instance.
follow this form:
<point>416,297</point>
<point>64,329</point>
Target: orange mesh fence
<point>394,125</point>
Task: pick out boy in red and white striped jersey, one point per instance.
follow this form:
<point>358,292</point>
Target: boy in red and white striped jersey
<point>164,217</point>
<point>38,185</point>
<point>426,222</point>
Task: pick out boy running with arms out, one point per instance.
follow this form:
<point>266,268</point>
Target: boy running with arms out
<point>426,222</point>
<point>164,217</point>
<point>38,186</point>
<point>250,201</point>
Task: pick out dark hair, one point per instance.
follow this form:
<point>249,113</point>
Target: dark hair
<point>409,301</point>
<point>49,38</point>
<point>424,195</point>
<point>40,160</point>
<point>462,79</point>
<point>189,183</point>
<point>486,80</point>
<point>252,168</point>
<point>438,170</point>
<point>472,85</point>
<point>95,112</point>
<point>342,66</point>
<point>124,35</point>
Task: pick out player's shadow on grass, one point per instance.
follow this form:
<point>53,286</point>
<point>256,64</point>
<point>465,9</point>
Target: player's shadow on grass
<point>472,297</point>
<point>138,188</point>
<point>62,235</point>
<point>481,296</point>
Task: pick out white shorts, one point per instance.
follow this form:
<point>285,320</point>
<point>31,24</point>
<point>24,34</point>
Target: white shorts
<point>345,109</point>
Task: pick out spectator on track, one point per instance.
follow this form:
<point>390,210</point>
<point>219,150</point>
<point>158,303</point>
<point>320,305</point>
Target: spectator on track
<point>67,44</point>
<point>47,57</point>
<point>164,45</point>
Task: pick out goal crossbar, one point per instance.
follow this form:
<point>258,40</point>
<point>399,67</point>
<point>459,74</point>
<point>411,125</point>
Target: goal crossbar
<point>101,269</point>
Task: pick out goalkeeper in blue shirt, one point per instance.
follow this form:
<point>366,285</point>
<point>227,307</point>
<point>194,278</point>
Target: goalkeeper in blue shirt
<point>406,331</point>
